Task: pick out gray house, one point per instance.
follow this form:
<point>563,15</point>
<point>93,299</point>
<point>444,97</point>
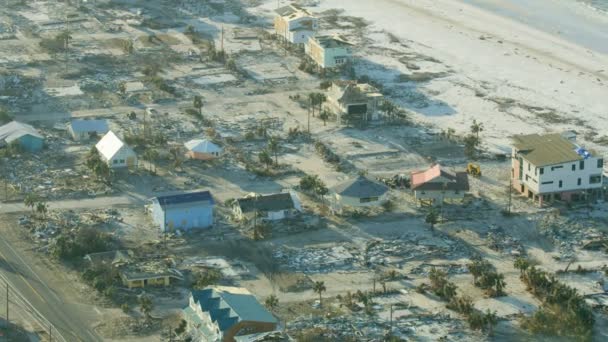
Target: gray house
<point>271,207</point>
<point>26,136</point>
<point>86,129</point>
<point>358,192</point>
<point>183,211</point>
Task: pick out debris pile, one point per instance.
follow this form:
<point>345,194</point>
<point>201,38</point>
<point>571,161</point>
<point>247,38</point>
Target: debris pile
<point>317,260</point>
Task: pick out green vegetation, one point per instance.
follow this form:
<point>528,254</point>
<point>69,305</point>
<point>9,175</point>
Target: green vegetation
<point>313,184</point>
<point>319,287</point>
<point>486,277</point>
<point>85,240</point>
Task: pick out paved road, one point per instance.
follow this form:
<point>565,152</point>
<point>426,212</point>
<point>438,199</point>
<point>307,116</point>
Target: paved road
<point>86,203</point>
<point>33,288</point>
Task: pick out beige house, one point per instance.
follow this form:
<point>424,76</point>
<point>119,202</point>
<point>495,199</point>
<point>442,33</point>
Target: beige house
<point>357,192</point>
<point>329,51</point>
<point>142,278</point>
<point>435,185</point>
<point>295,24</point>
<point>353,102</point>
<point>202,149</point>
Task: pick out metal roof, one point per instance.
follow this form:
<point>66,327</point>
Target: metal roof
<point>202,146</point>
<point>360,187</point>
<point>99,126</point>
<point>331,41</point>
<point>190,197</point>
<point>435,178</point>
<point>547,149</point>
<point>15,130</point>
<point>109,145</point>
<point>229,305</point>
<point>274,202</point>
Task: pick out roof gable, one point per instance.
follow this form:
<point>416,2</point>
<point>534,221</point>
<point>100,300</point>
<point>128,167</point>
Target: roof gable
<point>435,178</point>
<point>202,146</point>
<point>109,145</point>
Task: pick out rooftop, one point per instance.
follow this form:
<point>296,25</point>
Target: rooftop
<point>435,178</point>
<point>548,149</point>
<point>100,126</point>
<point>15,130</point>
<point>202,146</point>
<point>230,305</point>
<point>273,202</point>
<point>334,41</point>
<point>190,197</point>
<point>109,145</point>
<point>292,10</point>
<point>360,187</point>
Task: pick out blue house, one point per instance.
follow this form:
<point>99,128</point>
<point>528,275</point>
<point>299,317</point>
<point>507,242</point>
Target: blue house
<point>183,211</point>
<point>28,138</point>
<point>85,129</point>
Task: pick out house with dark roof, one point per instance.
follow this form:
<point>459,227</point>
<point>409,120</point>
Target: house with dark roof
<point>358,192</point>
<point>294,24</point>
<point>353,102</point>
<point>183,211</point>
<point>219,313</point>
<point>140,276</point>
<point>26,136</point>
<point>329,51</point>
<point>87,129</point>
<point>112,258</point>
<point>553,167</point>
<point>436,185</point>
<point>271,207</point>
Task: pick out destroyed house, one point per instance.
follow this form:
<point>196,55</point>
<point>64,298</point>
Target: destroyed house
<point>87,129</point>
<point>26,136</point>
<point>267,207</point>
<point>436,185</point>
<point>202,149</point>
<point>352,101</point>
<point>183,211</point>
<point>554,167</point>
<point>295,24</point>
<point>329,51</point>
<point>222,313</point>
<point>114,258</point>
<point>115,152</point>
<point>139,278</point>
<point>358,192</point>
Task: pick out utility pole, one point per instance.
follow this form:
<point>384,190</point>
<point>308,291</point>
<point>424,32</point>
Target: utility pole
<point>50,333</point>
<point>510,194</point>
<point>7,317</point>
<point>391,320</point>
<point>222,42</point>
<point>67,40</point>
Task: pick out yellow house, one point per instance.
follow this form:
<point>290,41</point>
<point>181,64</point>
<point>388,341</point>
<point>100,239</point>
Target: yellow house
<point>329,51</point>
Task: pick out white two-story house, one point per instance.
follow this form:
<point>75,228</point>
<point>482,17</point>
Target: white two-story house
<point>295,24</point>
<point>553,167</point>
<point>329,51</point>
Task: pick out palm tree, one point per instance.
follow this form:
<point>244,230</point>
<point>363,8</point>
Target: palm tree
<point>30,201</point>
<point>273,146</point>
<point>150,155</point>
<point>42,208</point>
<point>272,302</point>
<point>319,287</point>
<point>499,283</point>
<point>522,265</point>
<point>388,108</point>
<point>490,319</point>
<point>312,100</point>
<point>476,128</point>
<point>320,99</point>
<point>265,158</point>
<point>324,115</point>
<point>432,218</point>
<point>146,306</point>
<point>197,102</point>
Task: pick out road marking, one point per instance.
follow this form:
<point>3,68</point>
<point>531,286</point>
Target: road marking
<point>31,287</point>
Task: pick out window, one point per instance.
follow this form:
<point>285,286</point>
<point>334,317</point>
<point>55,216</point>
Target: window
<point>578,182</point>
<point>550,182</point>
<point>594,179</point>
<point>573,167</point>
<point>536,171</point>
<point>122,161</point>
<point>115,161</point>
<point>368,199</point>
<point>339,60</point>
<point>528,166</point>
<point>560,183</point>
<point>556,167</point>
<point>581,165</point>
<point>600,163</point>
<point>527,178</point>
<point>542,170</point>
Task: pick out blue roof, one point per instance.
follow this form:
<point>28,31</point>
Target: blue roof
<point>191,197</point>
<point>100,126</point>
<point>227,308</point>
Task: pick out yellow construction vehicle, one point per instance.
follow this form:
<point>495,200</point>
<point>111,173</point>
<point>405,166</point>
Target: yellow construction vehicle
<point>474,169</point>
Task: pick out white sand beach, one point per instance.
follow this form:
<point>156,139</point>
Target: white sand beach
<point>513,77</point>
